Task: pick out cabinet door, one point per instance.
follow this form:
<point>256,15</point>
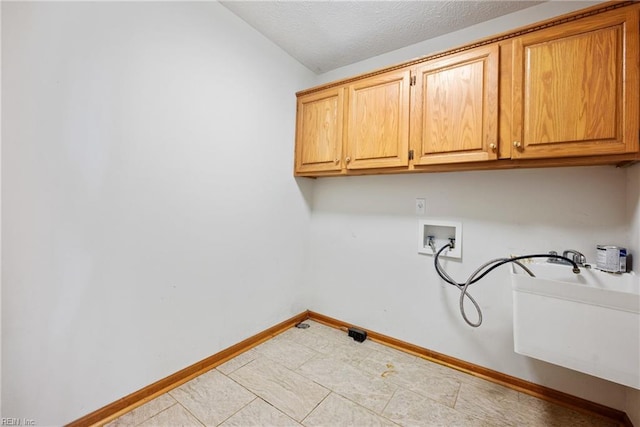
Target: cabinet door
<point>455,108</point>
<point>576,88</point>
<point>319,131</point>
<point>378,121</point>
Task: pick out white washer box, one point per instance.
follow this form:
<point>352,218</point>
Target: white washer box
<point>442,231</point>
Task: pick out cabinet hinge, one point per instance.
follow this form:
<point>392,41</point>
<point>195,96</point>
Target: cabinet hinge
<point>410,154</point>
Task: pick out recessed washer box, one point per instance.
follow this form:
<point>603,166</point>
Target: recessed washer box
<point>442,231</point>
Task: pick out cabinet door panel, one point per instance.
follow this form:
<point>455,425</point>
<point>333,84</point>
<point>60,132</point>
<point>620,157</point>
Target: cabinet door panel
<point>453,109</point>
<point>378,126</point>
<point>455,116</point>
<point>576,88</point>
<point>585,67</point>
<point>319,131</point>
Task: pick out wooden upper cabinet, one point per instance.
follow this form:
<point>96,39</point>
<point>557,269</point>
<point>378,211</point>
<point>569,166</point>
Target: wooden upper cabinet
<point>575,88</point>
<point>378,121</point>
<point>454,115</point>
<point>319,137</point>
<point>561,92</point>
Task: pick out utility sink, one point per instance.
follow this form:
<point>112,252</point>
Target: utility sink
<point>589,322</point>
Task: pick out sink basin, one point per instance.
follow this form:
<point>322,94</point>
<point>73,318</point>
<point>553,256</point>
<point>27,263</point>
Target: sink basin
<point>589,322</point>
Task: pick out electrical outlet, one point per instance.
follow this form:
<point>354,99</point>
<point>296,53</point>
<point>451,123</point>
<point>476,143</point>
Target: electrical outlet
<point>421,206</point>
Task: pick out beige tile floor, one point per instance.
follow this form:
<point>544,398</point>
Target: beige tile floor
<point>321,377</point>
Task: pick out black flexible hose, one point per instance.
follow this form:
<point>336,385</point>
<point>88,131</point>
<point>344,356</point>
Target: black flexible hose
<point>493,265</point>
<point>502,261</point>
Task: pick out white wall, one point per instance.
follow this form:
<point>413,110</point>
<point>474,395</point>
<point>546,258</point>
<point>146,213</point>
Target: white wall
<point>149,213</point>
<point>0,219</point>
<point>633,212</point>
<point>364,267</point>
<point>633,217</point>
<point>150,219</point>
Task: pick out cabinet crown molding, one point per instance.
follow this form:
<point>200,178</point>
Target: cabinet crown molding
<point>552,22</point>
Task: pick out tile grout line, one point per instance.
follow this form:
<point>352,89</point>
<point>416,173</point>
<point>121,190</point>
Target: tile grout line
<point>293,371</point>
<point>455,401</point>
<point>482,417</point>
<point>369,375</point>
<point>148,418</point>
<point>317,353</point>
<point>371,410</point>
<point>315,407</point>
<point>278,409</point>
<point>244,406</point>
<point>241,366</point>
<point>192,414</point>
<point>389,401</point>
<point>236,382</point>
<point>315,382</point>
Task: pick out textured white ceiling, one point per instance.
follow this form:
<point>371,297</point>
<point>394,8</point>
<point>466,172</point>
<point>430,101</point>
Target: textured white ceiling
<point>324,35</point>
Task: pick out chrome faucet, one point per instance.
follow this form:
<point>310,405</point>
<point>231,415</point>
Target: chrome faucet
<point>572,254</point>
<point>576,256</point>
